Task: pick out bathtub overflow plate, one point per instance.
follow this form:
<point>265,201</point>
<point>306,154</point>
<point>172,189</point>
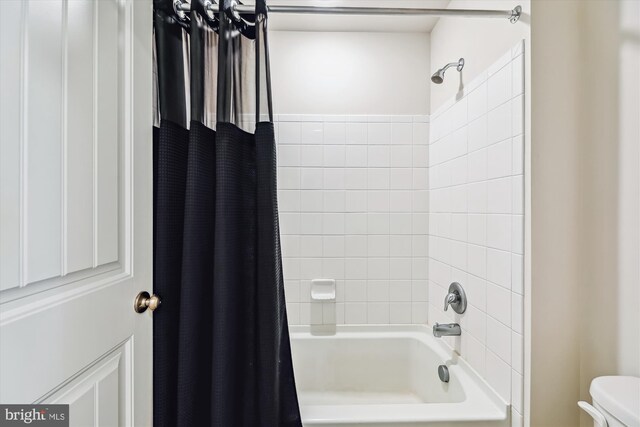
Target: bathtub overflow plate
<point>443,373</point>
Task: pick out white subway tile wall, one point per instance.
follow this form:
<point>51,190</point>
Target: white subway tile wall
<point>476,222</point>
<point>353,201</point>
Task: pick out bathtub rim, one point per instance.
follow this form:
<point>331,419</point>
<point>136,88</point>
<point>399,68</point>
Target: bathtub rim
<point>482,402</point>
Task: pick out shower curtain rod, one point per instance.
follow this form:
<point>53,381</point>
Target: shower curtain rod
<point>182,7</point>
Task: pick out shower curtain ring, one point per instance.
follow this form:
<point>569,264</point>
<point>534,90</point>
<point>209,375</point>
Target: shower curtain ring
<point>234,12</point>
<point>179,10</point>
<point>209,9</point>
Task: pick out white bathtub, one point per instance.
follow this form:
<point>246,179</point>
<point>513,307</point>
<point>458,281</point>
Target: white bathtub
<point>387,376</point>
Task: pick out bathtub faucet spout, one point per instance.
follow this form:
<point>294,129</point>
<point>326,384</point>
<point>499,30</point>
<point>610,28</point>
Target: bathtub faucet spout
<point>446,330</point>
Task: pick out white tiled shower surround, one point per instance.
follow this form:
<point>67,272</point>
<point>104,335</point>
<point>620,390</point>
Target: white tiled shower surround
<point>476,222</point>
<point>395,208</point>
<point>353,204</point>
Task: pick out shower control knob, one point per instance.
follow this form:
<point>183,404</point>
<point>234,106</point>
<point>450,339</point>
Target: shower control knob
<point>144,301</point>
<point>456,298</point>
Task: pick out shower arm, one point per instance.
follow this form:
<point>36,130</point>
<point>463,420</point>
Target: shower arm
<point>449,65</point>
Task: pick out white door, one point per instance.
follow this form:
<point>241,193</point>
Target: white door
<point>76,207</point>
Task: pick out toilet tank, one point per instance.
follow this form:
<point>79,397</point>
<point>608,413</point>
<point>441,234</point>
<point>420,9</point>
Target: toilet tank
<point>618,399</point>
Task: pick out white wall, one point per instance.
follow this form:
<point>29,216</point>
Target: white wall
<point>479,41</point>
<point>610,192</point>
<point>555,151</point>
<point>350,72</point>
<point>352,132</point>
<point>353,201</point>
<point>476,222</point>
<point>585,163</point>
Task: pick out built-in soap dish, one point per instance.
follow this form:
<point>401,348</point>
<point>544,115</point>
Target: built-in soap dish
<point>323,290</point>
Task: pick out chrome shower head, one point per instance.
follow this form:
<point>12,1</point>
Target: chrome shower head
<point>438,76</point>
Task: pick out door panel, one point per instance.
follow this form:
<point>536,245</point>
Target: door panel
<point>81,329</point>
<point>10,110</point>
<point>41,139</point>
<point>65,137</point>
<point>76,206</point>
<point>79,121</point>
<point>107,119</point>
<point>96,396</point>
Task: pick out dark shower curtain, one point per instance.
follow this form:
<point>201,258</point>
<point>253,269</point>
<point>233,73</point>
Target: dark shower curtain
<point>222,355</point>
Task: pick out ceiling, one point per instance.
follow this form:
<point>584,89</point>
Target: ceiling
<point>315,22</point>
